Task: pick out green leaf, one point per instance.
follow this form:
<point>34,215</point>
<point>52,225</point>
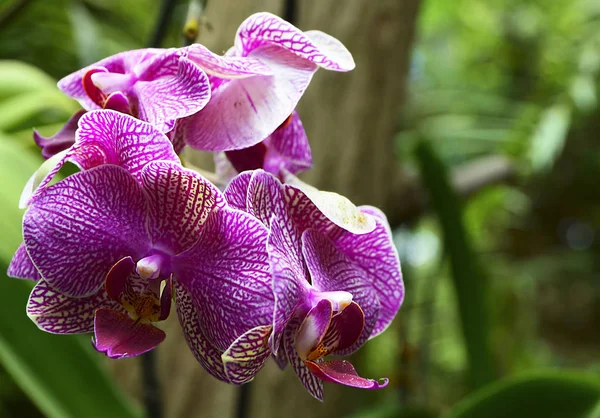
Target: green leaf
<point>61,374</point>
<point>469,282</point>
<point>550,136</point>
<point>555,394</point>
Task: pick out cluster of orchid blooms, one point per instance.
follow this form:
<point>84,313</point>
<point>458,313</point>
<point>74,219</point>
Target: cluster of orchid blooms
<point>269,267</point>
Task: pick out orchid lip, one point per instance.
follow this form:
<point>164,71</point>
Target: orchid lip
<point>339,299</point>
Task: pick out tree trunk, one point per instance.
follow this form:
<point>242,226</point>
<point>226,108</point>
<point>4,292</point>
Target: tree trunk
<point>351,120</point>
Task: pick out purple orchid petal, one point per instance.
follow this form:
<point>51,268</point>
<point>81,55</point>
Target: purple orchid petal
<point>121,63</point>
<point>60,141</point>
<point>163,100</point>
<point>119,102</point>
<point>331,270</point>
<point>119,336</point>
<point>236,193</point>
<point>247,355</point>
<point>280,359</point>
<point>175,135</point>
<point>342,372</point>
<point>243,112</point>
<point>267,29</point>
<point>227,271</point>
<point>265,199</point>
<point>308,379</point>
<point>110,137</point>
<point>180,202</point>
<point>56,313</point>
<point>21,266</point>
<point>376,255</point>
<point>106,137</point>
<point>290,278</point>
<point>313,329</point>
<point>77,229</point>
<point>345,330</point>
<point>247,159</point>
<point>204,352</point>
<point>337,208</point>
<point>288,148</point>
<point>224,66</point>
<point>116,279</point>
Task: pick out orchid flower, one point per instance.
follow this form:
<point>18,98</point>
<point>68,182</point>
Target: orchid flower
<point>336,275</point>
<point>257,84</point>
<point>285,150</point>
<point>110,247</point>
<point>60,141</point>
<point>154,85</point>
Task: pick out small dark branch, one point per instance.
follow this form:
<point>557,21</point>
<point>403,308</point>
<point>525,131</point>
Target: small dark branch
<point>11,13</point>
<point>243,402</point>
<point>162,23</point>
<point>151,394</point>
<point>290,11</point>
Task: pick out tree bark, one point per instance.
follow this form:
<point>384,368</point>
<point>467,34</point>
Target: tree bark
<point>351,121</point>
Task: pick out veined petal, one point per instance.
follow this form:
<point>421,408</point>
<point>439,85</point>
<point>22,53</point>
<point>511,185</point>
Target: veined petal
<point>313,329</point>
<point>337,208</point>
<point>180,202</point>
<point>226,66</point>
<point>61,140</point>
<point>332,270</point>
<point>267,29</point>
<point>119,336</point>
<point>21,266</point>
<point>206,354</point>
<point>77,229</point>
<point>120,63</point>
<point>308,379</point>
<point>289,276</point>
<point>265,199</point>
<point>243,112</point>
<point>345,330</point>
<point>56,313</point>
<point>288,148</point>
<point>376,254</point>
<point>236,193</point>
<point>227,272</point>
<point>247,355</point>
<point>111,137</point>
<point>342,372</point>
<point>163,100</point>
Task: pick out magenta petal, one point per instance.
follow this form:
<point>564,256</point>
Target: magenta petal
<point>343,372</point>
<point>243,112</point>
<point>180,202</point>
<point>227,272</point>
<point>56,313</point>
<point>119,102</point>
<point>204,352</point>
<point>315,46</point>
<point>331,270</point>
<point>165,99</point>
<point>119,336</point>
<point>288,148</point>
<point>308,379</point>
<point>376,254</point>
<point>60,141</point>
<point>236,192</point>
<point>224,66</point>
<point>77,229</point>
<point>247,355</point>
<point>246,159</point>
<point>21,266</point>
<point>116,279</point>
<point>345,329</point>
<point>313,328</point>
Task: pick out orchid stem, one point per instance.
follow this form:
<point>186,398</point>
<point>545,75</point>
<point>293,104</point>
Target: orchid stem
<point>162,24</point>
<point>243,402</point>
<point>151,390</point>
